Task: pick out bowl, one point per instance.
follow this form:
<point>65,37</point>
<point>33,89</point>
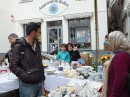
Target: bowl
<point>4,67</point>
<point>60,68</point>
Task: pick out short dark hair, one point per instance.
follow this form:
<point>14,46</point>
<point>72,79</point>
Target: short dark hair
<point>13,35</point>
<point>31,27</point>
<point>64,45</point>
<point>70,45</point>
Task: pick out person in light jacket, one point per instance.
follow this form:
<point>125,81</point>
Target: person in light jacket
<point>63,55</point>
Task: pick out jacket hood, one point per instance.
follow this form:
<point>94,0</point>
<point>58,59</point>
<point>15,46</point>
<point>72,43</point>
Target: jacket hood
<point>21,40</point>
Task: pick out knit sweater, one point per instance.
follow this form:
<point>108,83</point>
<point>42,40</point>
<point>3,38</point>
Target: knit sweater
<point>117,76</point>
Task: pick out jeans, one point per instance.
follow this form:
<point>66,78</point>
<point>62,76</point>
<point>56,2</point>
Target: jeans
<point>31,90</point>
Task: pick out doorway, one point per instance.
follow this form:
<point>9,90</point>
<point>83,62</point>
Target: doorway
<point>55,38</point>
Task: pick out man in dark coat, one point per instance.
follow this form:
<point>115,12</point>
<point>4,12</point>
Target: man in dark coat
<point>29,68</point>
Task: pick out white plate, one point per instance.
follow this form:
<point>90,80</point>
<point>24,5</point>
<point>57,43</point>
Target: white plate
<point>86,67</point>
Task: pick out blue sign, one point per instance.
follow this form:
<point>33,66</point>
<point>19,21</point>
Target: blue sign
<point>53,9</point>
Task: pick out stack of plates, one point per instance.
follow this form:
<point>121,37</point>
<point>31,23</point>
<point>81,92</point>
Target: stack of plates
<point>50,71</point>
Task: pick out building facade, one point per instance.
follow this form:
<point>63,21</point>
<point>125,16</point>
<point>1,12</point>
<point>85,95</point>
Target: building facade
<point>115,15</point>
<point>62,21</point>
<point>126,18</point>
<point>6,25</point>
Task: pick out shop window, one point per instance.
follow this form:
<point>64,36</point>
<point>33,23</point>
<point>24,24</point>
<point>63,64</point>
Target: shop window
<point>80,34</point>
<point>21,1</point>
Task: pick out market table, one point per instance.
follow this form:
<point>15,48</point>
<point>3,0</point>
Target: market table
<point>51,83</point>
<point>7,85</point>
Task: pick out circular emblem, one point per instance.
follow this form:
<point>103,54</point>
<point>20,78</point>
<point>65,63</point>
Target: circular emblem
<point>53,9</point>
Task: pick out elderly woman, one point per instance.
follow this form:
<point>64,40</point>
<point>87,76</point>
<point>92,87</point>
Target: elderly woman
<point>74,53</point>
<point>115,83</point>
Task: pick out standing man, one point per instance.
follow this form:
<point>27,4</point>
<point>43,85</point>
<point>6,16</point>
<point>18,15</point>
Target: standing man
<point>28,68</point>
<point>12,37</point>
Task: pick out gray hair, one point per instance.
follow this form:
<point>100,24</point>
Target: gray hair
<point>117,40</point>
<point>12,36</point>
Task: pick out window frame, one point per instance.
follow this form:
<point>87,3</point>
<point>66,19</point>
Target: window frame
<point>88,25</point>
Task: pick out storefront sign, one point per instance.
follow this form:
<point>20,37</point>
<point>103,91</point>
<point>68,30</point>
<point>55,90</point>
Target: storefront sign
<point>81,36</point>
<point>53,7</point>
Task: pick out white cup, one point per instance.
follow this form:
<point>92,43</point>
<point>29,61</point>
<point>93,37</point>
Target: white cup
<point>91,78</point>
<point>52,92</point>
<point>97,76</point>
<point>103,75</point>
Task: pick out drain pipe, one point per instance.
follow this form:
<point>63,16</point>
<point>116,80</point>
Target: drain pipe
<point>96,29</point>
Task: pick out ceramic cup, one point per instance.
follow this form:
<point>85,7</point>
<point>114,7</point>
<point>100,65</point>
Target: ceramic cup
<point>103,75</point>
<point>98,76</point>
<point>52,92</point>
<point>91,78</point>
<point>60,68</point>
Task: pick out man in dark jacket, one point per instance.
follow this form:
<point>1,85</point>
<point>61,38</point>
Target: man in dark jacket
<point>29,68</point>
<point>12,37</point>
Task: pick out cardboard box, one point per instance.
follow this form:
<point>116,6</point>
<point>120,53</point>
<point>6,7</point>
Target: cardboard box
<point>86,58</point>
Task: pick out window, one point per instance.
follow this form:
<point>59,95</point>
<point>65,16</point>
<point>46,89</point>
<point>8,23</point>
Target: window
<point>26,1</point>
<point>79,33</point>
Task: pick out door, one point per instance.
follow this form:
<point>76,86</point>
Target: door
<point>54,40</point>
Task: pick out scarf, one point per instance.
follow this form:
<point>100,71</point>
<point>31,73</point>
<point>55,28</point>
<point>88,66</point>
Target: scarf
<point>106,79</point>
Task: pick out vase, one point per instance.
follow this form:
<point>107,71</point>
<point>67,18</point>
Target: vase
<point>99,69</point>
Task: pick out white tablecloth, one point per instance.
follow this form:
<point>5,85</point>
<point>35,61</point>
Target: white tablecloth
<point>52,82</point>
<point>8,85</point>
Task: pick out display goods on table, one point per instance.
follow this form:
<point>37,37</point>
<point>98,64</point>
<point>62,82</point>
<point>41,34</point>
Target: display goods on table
<point>78,75</point>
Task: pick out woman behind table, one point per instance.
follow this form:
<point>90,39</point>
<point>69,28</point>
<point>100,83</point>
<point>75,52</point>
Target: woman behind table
<point>116,74</point>
<point>63,55</point>
<point>74,53</point>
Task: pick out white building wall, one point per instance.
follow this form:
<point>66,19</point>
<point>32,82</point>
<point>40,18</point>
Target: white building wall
<point>102,21</point>
<point>6,25</point>
<point>30,10</point>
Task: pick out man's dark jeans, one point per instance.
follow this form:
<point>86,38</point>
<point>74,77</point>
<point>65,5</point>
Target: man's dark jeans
<point>31,90</point>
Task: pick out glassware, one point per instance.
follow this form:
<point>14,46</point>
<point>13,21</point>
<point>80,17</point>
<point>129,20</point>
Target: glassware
<point>56,64</point>
<point>63,63</point>
<point>51,64</point>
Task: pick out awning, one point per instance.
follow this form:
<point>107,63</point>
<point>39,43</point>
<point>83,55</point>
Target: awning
<point>26,21</point>
<point>78,15</point>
